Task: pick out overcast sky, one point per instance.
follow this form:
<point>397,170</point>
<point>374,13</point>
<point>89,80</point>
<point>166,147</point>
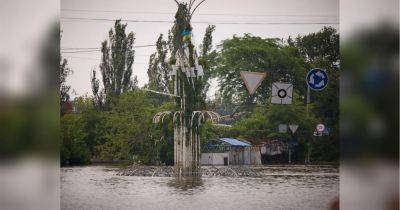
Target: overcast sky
<point>223,13</point>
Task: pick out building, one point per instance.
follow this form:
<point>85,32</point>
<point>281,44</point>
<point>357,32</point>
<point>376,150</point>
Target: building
<point>276,151</point>
<point>229,151</point>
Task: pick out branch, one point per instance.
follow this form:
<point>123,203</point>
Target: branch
<point>191,3</point>
<point>176,2</point>
<point>196,8</point>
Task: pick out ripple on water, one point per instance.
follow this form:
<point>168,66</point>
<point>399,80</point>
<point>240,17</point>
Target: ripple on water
<point>98,187</point>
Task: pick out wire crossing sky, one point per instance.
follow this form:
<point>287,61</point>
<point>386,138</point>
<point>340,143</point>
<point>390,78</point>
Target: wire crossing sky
<point>85,24</point>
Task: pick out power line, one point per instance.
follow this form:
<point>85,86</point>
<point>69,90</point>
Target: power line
<point>200,14</point>
<point>81,51</point>
<point>86,58</point>
<point>82,58</point>
<point>201,22</point>
<point>68,52</point>
<point>79,48</point>
<point>90,48</point>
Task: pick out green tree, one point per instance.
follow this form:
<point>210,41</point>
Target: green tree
<point>116,65</point>
<point>321,50</point>
<point>158,67</point>
<point>251,53</point>
<point>63,87</point>
<point>74,150</point>
<point>207,59</point>
<point>128,130</point>
<point>264,121</point>
<point>322,46</point>
<point>93,123</point>
<point>206,46</point>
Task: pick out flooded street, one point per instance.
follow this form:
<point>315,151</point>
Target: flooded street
<point>98,187</point>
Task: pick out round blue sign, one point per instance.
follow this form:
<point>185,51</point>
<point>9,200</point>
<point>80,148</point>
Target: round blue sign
<point>317,79</point>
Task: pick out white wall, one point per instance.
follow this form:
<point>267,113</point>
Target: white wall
<point>213,158</point>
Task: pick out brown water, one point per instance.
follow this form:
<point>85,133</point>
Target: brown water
<point>97,187</point>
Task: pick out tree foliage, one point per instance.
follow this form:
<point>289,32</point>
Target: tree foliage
<point>321,50</point>
<point>289,62</point>
<point>63,87</point>
<point>74,149</point>
<point>118,126</point>
<point>251,53</point>
<point>159,68</point>
<point>123,133</point>
<point>116,66</point>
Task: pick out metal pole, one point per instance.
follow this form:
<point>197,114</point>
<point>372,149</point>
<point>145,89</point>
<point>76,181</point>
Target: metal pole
<point>308,100</point>
<point>307,158</point>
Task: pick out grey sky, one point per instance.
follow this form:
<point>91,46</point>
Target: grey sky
<point>87,33</point>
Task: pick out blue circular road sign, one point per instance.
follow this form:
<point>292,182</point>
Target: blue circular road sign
<point>317,79</point>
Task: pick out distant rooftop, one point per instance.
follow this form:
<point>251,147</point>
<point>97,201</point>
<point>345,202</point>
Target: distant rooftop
<point>235,142</point>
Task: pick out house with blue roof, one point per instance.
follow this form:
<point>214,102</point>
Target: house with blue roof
<point>230,151</point>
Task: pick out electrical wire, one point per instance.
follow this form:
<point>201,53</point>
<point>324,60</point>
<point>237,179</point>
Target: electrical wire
<point>200,14</point>
<point>98,48</point>
<point>200,22</point>
<point>86,58</point>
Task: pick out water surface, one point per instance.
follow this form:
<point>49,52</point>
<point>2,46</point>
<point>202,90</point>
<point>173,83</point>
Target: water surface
<point>98,187</point>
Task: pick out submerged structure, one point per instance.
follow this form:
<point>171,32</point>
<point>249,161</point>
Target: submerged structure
<point>188,84</point>
<point>229,151</point>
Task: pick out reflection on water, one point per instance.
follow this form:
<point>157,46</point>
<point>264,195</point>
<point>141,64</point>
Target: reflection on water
<point>186,183</point>
<point>97,187</point>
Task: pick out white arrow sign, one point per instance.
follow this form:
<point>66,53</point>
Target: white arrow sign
<point>252,80</point>
<point>320,127</point>
<point>293,128</point>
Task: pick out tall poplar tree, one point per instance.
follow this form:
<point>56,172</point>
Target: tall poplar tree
<point>64,88</point>
<point>159,68</point>
<point>116,66</point>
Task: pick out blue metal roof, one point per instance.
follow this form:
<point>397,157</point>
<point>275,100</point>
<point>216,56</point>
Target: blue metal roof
<point>235,142</point>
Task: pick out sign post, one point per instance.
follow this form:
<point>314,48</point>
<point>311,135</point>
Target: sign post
<point>317,79</point>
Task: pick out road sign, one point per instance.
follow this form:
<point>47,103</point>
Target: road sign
<point>326,131</point>
<point>252,80</point>
<point>282,128</point>
<point>317,133</point>
<point>317,79</point>
<point>293,128</point>
<point>281,93</point>
<point>320,127</point>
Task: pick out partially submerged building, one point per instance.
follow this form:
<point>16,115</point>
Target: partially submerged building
<point>276,151</point>
<point>229,151</point>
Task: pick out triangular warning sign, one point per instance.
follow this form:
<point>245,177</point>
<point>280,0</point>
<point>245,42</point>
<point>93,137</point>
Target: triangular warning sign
<point>252,80</point>
<point>293,128</point>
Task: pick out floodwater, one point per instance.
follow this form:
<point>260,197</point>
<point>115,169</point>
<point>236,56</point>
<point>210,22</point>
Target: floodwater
<point>98,187</point>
